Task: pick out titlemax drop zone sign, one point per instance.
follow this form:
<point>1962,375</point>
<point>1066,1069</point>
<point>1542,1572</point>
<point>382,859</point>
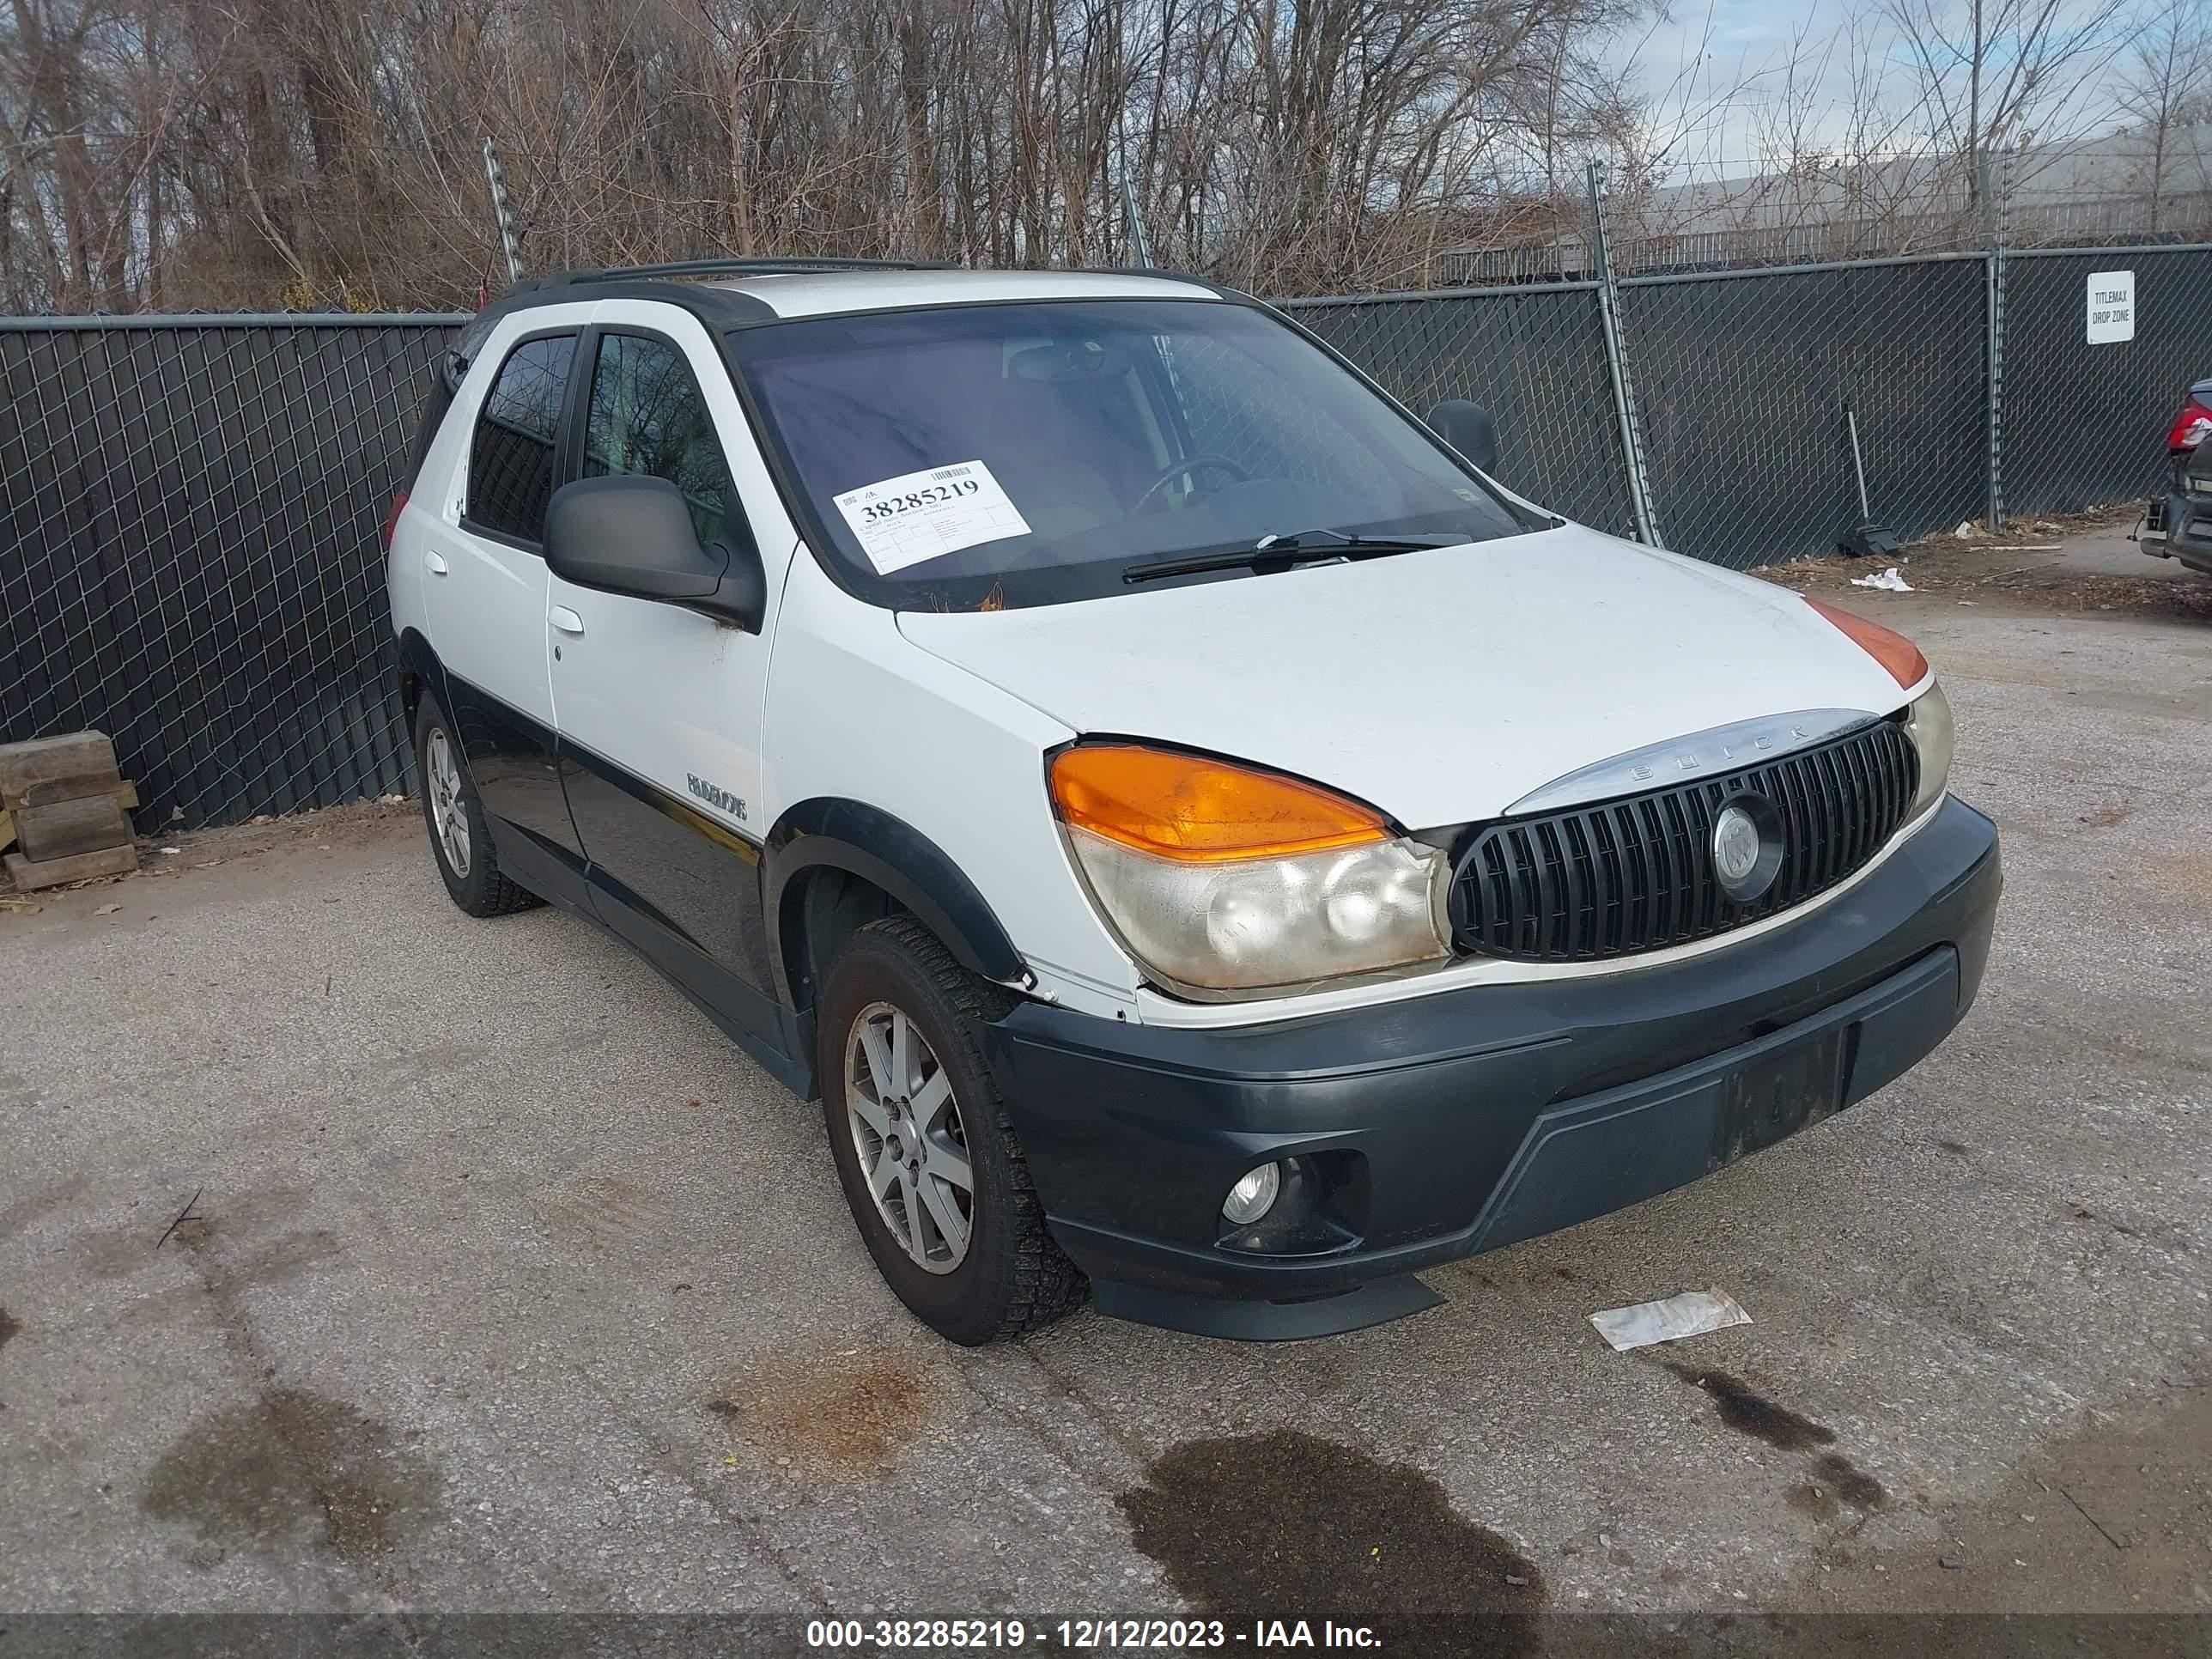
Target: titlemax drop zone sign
<point>2111,306</point>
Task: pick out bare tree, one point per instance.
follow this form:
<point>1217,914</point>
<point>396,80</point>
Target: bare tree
<point>2165,90</point>
<point>1995,74</point>
<point>249,154</point>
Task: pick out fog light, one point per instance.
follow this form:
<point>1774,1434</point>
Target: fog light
<point>1253,1196</point>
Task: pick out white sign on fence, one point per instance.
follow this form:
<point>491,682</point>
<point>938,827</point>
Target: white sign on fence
<point>2111,306</point>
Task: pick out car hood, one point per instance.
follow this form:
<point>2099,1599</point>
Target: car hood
<point>1441,686</point>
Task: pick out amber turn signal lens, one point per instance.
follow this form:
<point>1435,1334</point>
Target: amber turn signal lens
<point>1186,807</point>
<point>1885,645</point>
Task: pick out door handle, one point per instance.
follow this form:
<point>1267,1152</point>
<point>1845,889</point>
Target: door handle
<point>565,619</point>
<point>434,563</point>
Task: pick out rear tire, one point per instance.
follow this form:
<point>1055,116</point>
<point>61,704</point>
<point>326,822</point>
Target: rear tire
<point>930,1169</point>
<point>460,839</point>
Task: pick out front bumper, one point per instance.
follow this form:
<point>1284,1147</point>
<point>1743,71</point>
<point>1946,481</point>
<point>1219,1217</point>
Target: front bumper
<point>1458,1121</point>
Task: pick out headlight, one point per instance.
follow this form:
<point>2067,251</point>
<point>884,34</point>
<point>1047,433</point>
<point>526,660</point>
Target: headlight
<point>1927,723</point>
<point>1218,877</point>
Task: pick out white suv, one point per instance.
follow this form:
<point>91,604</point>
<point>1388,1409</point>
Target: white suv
<point>1194,830</point>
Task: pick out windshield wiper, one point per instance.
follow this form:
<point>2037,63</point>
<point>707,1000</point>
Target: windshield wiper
<point>1281,552</point>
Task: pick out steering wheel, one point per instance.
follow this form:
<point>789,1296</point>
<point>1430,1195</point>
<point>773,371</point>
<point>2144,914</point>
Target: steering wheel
<point>1190,468</point>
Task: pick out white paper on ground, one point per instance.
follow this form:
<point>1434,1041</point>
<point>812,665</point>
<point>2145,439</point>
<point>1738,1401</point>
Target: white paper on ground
<point>1888,579</point>
<point>927,514</point>
<point>1691,1314</point>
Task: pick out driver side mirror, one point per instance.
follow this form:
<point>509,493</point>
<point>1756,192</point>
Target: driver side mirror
<point>633,535</point>
<point>1468,427</point>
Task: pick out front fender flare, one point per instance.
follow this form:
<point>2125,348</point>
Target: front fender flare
<point>832,832</point>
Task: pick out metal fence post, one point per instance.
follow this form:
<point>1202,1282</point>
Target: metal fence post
<point>1994,178</point>
<point>505,214</point>
<point>1616,362</point>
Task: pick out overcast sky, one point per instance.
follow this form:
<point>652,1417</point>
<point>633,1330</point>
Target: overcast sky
<point>1690,63</point>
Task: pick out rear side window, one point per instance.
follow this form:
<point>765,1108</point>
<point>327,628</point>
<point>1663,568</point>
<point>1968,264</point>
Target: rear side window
<point>511,454</point>
<point>649,417</point>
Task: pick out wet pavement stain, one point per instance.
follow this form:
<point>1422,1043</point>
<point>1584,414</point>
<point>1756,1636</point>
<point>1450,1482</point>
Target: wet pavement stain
<point>292,1461</point>
<point>1285,1525</point>
<point>288,1257</point>
<point>848,1415</point>
<point>1834,1479</point>
<point>1748,1411</point>
<point>26,1212</point>
<point>111,1253</point>
<point>1852,1484</point>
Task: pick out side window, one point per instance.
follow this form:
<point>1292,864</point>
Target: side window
<point>511,455</point>
<point>649,417</point>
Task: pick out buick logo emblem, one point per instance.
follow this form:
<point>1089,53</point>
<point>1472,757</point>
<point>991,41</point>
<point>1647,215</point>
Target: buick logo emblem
<point>1746,847</point>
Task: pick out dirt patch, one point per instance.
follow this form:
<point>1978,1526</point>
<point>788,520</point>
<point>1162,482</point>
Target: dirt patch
<point>2020,568</point>
<point>292,1461</point>
<point>356,823</point>
<point>1748,1411</point>
<point>1284,1525</point>
<point>2115,1519</point>
<point>1811,1498</point>
<point>601,1211</point>
<point>849,1415</point>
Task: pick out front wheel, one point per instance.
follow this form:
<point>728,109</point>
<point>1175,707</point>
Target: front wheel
<point>930,1166</point>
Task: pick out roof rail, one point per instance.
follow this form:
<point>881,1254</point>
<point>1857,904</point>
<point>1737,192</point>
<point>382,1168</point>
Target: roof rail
<point>768,266</point>
<point>1166,273</point>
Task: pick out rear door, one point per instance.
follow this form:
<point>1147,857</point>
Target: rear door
<point>660,708</point>
<point>484,579</point>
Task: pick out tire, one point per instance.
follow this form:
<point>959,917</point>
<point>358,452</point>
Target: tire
<point>1007,1276</point>
<point>460,840</point>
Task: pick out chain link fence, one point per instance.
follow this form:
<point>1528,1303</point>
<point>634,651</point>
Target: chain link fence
<point>189,512</point>
<point>190,507</point>
<point>2084,424</point>
<point>1746,382</point>
<point>1534,357</point>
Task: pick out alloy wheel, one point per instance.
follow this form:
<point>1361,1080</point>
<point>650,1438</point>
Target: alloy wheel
<point>447,812</point>
<point>912,1142</point>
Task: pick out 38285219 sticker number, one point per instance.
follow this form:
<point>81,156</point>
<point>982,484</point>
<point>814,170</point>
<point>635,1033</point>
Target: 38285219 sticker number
<point>919,516</point>
<point>934,495</point>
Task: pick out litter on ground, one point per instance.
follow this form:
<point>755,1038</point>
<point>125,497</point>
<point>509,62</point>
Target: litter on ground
<point>1693,1313</point>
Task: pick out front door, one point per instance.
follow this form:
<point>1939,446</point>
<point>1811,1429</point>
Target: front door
<point>660,708</point>
<point>484,583</point>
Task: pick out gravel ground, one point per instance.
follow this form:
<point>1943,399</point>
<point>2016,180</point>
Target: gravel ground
<point>358,1256</point>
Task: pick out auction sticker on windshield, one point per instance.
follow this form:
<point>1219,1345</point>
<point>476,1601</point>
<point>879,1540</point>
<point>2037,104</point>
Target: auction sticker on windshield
<point>925,515</point>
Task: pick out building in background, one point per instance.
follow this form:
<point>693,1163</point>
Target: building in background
<point>2136,186</point>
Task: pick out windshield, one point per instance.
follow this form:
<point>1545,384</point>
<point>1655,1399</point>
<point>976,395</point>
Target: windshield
<point>1022,454</point>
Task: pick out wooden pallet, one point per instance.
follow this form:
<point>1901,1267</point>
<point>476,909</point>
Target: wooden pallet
<point>65,808</point>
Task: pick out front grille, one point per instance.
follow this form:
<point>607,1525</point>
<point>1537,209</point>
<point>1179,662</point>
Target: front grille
<point>1617,877</point>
